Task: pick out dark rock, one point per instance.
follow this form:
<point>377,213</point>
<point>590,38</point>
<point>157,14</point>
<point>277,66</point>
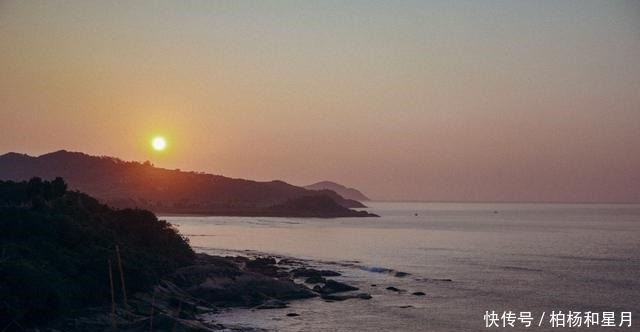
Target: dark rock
<point>292,314</point>
<point>237,259</point>
<point>394,289</point>
<point>329,273</point>
<point>306,273</point>
<point>419,293</point>
<point>206,268</point>
<point>332,286</point>
<point>260,262</point>
<point>374,285</point>
<point>315,280</point>
<point>226,284</point>
<point>248,290</point>
<point>334,297</point>
<point>401,274</point>
<point>288,261</point>
<point>264,265</point>
<point>331,297</point>
<point>377,269</point>
<point>265,260</point>
<point>433,280</point>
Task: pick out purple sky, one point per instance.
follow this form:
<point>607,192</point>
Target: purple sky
<point>405,100</point>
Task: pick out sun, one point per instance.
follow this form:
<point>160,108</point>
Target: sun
<point>159,143</point>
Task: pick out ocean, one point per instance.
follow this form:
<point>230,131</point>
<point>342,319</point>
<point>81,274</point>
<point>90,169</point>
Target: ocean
<point>472,261</point>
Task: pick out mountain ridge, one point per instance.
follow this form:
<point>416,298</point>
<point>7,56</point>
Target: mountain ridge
<point>125,184</point>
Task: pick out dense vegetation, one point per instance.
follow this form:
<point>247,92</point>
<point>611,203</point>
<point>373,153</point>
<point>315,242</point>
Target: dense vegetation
<point>55,246</point>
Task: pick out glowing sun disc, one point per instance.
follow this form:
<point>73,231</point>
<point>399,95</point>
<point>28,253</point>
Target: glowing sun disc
<point>158,143</point>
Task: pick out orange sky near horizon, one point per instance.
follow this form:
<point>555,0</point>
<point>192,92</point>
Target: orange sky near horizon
<point>405,100</point>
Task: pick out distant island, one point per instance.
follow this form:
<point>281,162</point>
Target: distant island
<point>348,193</point>
<point>131,184</point>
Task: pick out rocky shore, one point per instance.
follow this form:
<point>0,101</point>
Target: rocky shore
<point>179,300</point>
<point>70,263</point>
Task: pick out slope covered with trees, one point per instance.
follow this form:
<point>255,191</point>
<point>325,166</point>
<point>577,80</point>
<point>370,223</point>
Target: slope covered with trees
<point>132,184</point>
<point>55,246</point>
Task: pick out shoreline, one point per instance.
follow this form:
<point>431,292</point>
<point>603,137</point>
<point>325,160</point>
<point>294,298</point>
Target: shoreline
<point>185,299</point>
<point>260,214</point>
<point>71,263</point>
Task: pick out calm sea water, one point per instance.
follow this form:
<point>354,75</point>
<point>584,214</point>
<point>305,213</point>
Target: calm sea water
<point>537,258</point>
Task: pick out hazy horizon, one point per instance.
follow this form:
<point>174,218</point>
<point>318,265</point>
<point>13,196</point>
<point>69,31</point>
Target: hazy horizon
<point>424,101</point>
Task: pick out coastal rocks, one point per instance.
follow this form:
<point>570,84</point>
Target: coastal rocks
<point>223,282</point>
<point>332,286</point>
<point>394,289</point>
<point>265,266</point>
<point>289,262</point>
<point>248,289</point>
<point>178,301</point>
<point>433,280</point>
<point>167,297</point>
<point>378,269</point>
<point>399,290</point>
<point>306,273</point>
<point>262,261</point>
<point>342,297</point>
<point>315,280</point>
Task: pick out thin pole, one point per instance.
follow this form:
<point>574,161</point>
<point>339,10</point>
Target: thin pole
<point>113,298</point>
<point>124,288</point>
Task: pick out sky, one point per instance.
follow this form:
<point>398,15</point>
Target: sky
<point>404,100</point>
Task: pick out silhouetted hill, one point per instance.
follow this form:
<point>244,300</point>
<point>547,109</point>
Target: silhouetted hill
<point>56,244</point>
<point>310,206</point>
<point>125,184</point>
<point>348,193</point>
<point>67,263</point>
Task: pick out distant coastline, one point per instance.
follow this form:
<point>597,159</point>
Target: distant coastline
<point>131,184</point>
